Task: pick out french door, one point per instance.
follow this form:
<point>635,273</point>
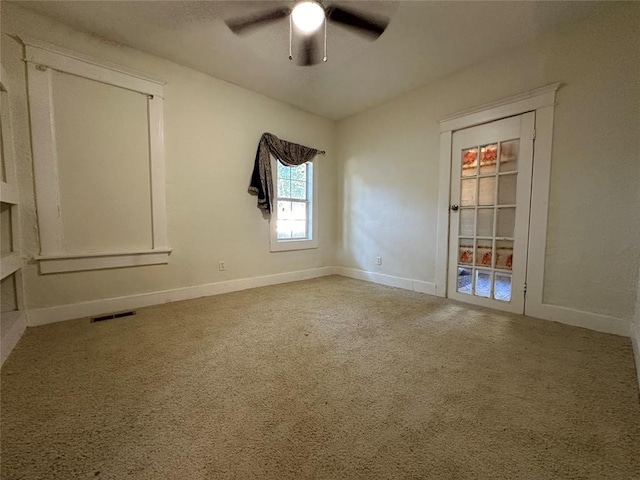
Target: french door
<point>489,213</point>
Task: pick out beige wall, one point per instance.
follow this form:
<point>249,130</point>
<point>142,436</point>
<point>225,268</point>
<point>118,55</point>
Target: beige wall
<point>211,133</point>
<point>388,164</point>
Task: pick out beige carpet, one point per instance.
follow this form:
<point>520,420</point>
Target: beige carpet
<point>329,379</point>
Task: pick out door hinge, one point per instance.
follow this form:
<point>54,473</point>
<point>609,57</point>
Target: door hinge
<point>525,288</point>
<point>533,134</point>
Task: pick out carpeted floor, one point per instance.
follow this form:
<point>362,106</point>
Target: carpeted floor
<point>330,378</point>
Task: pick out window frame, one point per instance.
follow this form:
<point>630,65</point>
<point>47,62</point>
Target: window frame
<point>289,244</point>
<point>42,58</point>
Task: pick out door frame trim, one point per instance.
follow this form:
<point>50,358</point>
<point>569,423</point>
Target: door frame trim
<point>542,101</point>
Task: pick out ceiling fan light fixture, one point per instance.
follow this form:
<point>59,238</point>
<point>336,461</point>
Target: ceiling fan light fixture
<point>308,16</point>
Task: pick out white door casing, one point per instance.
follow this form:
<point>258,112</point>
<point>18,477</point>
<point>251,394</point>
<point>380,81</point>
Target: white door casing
<point>491,169</point>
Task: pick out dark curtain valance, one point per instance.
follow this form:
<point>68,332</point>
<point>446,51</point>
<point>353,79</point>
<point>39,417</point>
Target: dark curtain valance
<point>288,153</point>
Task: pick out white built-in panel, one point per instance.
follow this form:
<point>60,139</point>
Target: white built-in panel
<point>102,139</point>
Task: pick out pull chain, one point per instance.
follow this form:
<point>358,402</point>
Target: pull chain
<point>290,38</point>
<point>325,40</point>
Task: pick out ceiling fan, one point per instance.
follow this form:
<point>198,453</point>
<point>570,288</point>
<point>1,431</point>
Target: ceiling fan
<point>307,17</point>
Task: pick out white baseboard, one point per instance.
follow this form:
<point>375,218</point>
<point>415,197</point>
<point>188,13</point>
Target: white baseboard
<point>42,316</point>
<point>635,341</point>
<point>389,280</point>
<point>578,318</point>
<point>14,325</point>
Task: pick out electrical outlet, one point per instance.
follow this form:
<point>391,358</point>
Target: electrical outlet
<point>222,266</point>
<point>378,260</point>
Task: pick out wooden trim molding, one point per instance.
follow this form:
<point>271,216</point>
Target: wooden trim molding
<point>442,238</point>
<point>419,286</point>
<point>47,55</point>
<point>507,107</point>
<point>99,261</point>
<point>42,59</point>
<point>45,159</point>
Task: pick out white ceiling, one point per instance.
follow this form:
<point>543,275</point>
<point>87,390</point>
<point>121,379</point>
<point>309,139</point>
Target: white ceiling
<point>425,40</point>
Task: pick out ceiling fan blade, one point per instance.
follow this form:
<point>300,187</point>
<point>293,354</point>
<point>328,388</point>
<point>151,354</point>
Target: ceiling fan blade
<point>245,24</point>
<point>367,24</point>
<point>308,52</point>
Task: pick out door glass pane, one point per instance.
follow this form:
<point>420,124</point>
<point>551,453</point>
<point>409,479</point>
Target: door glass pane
<point>467,220</point>
<point>469,162</point>
<point>502,288</point>
<point>468,192</point>
<point>506,222</point>
<point>488,159</point>
<point>507,189</point>
<point>483,253</point>
<point>487,191</point>
<point>504,252</point>
<point>483,283</point>
<point>485,222</point>
<point>465,251</point>
<point>509,156</point>
<point>464,280</point>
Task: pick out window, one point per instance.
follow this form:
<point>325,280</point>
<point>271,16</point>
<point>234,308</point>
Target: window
<point>293,225</point>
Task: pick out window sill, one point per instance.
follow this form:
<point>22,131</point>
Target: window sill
<point>288,245</point>
<point>100,261</point>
